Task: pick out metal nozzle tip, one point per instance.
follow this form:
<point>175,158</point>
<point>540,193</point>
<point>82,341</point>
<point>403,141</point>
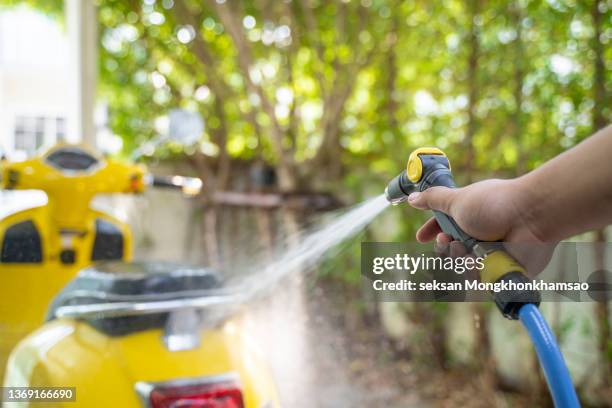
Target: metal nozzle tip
<point>391,200</point>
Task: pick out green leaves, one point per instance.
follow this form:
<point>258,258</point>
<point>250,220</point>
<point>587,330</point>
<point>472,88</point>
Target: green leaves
<point>372,78</point>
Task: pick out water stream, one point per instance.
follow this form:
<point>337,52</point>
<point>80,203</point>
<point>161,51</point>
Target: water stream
<point>312,245</point>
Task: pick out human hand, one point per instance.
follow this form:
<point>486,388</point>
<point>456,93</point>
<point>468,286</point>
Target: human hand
<point>490,210</point>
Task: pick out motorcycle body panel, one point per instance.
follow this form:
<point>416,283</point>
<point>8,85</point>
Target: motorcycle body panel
<point>28,287</point>
<point>105,370</point>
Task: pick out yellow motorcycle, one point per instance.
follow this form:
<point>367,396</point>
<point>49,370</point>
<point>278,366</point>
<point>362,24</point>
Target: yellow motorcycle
<point>117,333</point>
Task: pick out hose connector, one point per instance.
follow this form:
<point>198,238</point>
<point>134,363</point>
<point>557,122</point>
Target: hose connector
<point>501,268</point>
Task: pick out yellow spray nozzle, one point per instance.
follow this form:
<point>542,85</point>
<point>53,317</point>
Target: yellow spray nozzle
<point>422,161</point>
<point>414,168</point>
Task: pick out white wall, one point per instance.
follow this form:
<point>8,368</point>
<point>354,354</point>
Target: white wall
<point>33,70</point>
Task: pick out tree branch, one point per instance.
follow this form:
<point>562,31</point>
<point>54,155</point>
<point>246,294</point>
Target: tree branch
<point>185,16</point>
<point>245,62</point>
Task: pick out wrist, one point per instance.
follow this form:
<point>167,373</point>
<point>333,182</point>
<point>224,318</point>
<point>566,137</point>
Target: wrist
<point>533,208</point>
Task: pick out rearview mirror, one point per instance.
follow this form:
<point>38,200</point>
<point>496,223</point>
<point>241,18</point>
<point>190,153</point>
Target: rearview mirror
<point>185,127</point>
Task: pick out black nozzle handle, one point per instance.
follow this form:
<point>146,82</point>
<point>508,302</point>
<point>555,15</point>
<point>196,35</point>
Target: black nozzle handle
<point>441,176</point>
<point>449,226</point>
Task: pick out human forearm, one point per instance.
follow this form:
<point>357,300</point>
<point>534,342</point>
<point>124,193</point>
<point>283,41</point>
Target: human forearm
<point>572,193</point>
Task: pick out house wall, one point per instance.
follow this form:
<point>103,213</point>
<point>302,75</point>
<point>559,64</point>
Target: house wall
<point>33,73</point>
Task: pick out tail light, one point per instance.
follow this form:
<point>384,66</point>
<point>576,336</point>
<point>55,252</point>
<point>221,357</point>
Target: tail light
<point>206,392</point>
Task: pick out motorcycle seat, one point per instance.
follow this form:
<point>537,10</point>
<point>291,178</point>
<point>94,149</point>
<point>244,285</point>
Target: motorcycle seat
<point>112,281</point>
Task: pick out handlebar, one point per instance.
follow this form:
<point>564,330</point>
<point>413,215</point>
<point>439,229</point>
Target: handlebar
<point>188,185</point>
<point>63,166</point>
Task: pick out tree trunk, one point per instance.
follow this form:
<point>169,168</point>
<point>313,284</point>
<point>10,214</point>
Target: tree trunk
<point>600,96</point>
<point>472,82</point>
<point>265,229</point>
<point>519,80</point>
<point>210,237</point>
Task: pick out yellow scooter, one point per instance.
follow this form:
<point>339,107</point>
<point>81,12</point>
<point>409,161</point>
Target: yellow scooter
<point>117,333</point>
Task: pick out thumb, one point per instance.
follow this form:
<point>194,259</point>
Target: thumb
<point>435,198</point>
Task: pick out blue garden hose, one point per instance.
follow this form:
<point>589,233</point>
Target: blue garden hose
<point>551,359</point>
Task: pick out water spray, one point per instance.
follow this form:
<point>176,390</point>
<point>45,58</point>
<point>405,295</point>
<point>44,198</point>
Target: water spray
<point>429,167</point>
